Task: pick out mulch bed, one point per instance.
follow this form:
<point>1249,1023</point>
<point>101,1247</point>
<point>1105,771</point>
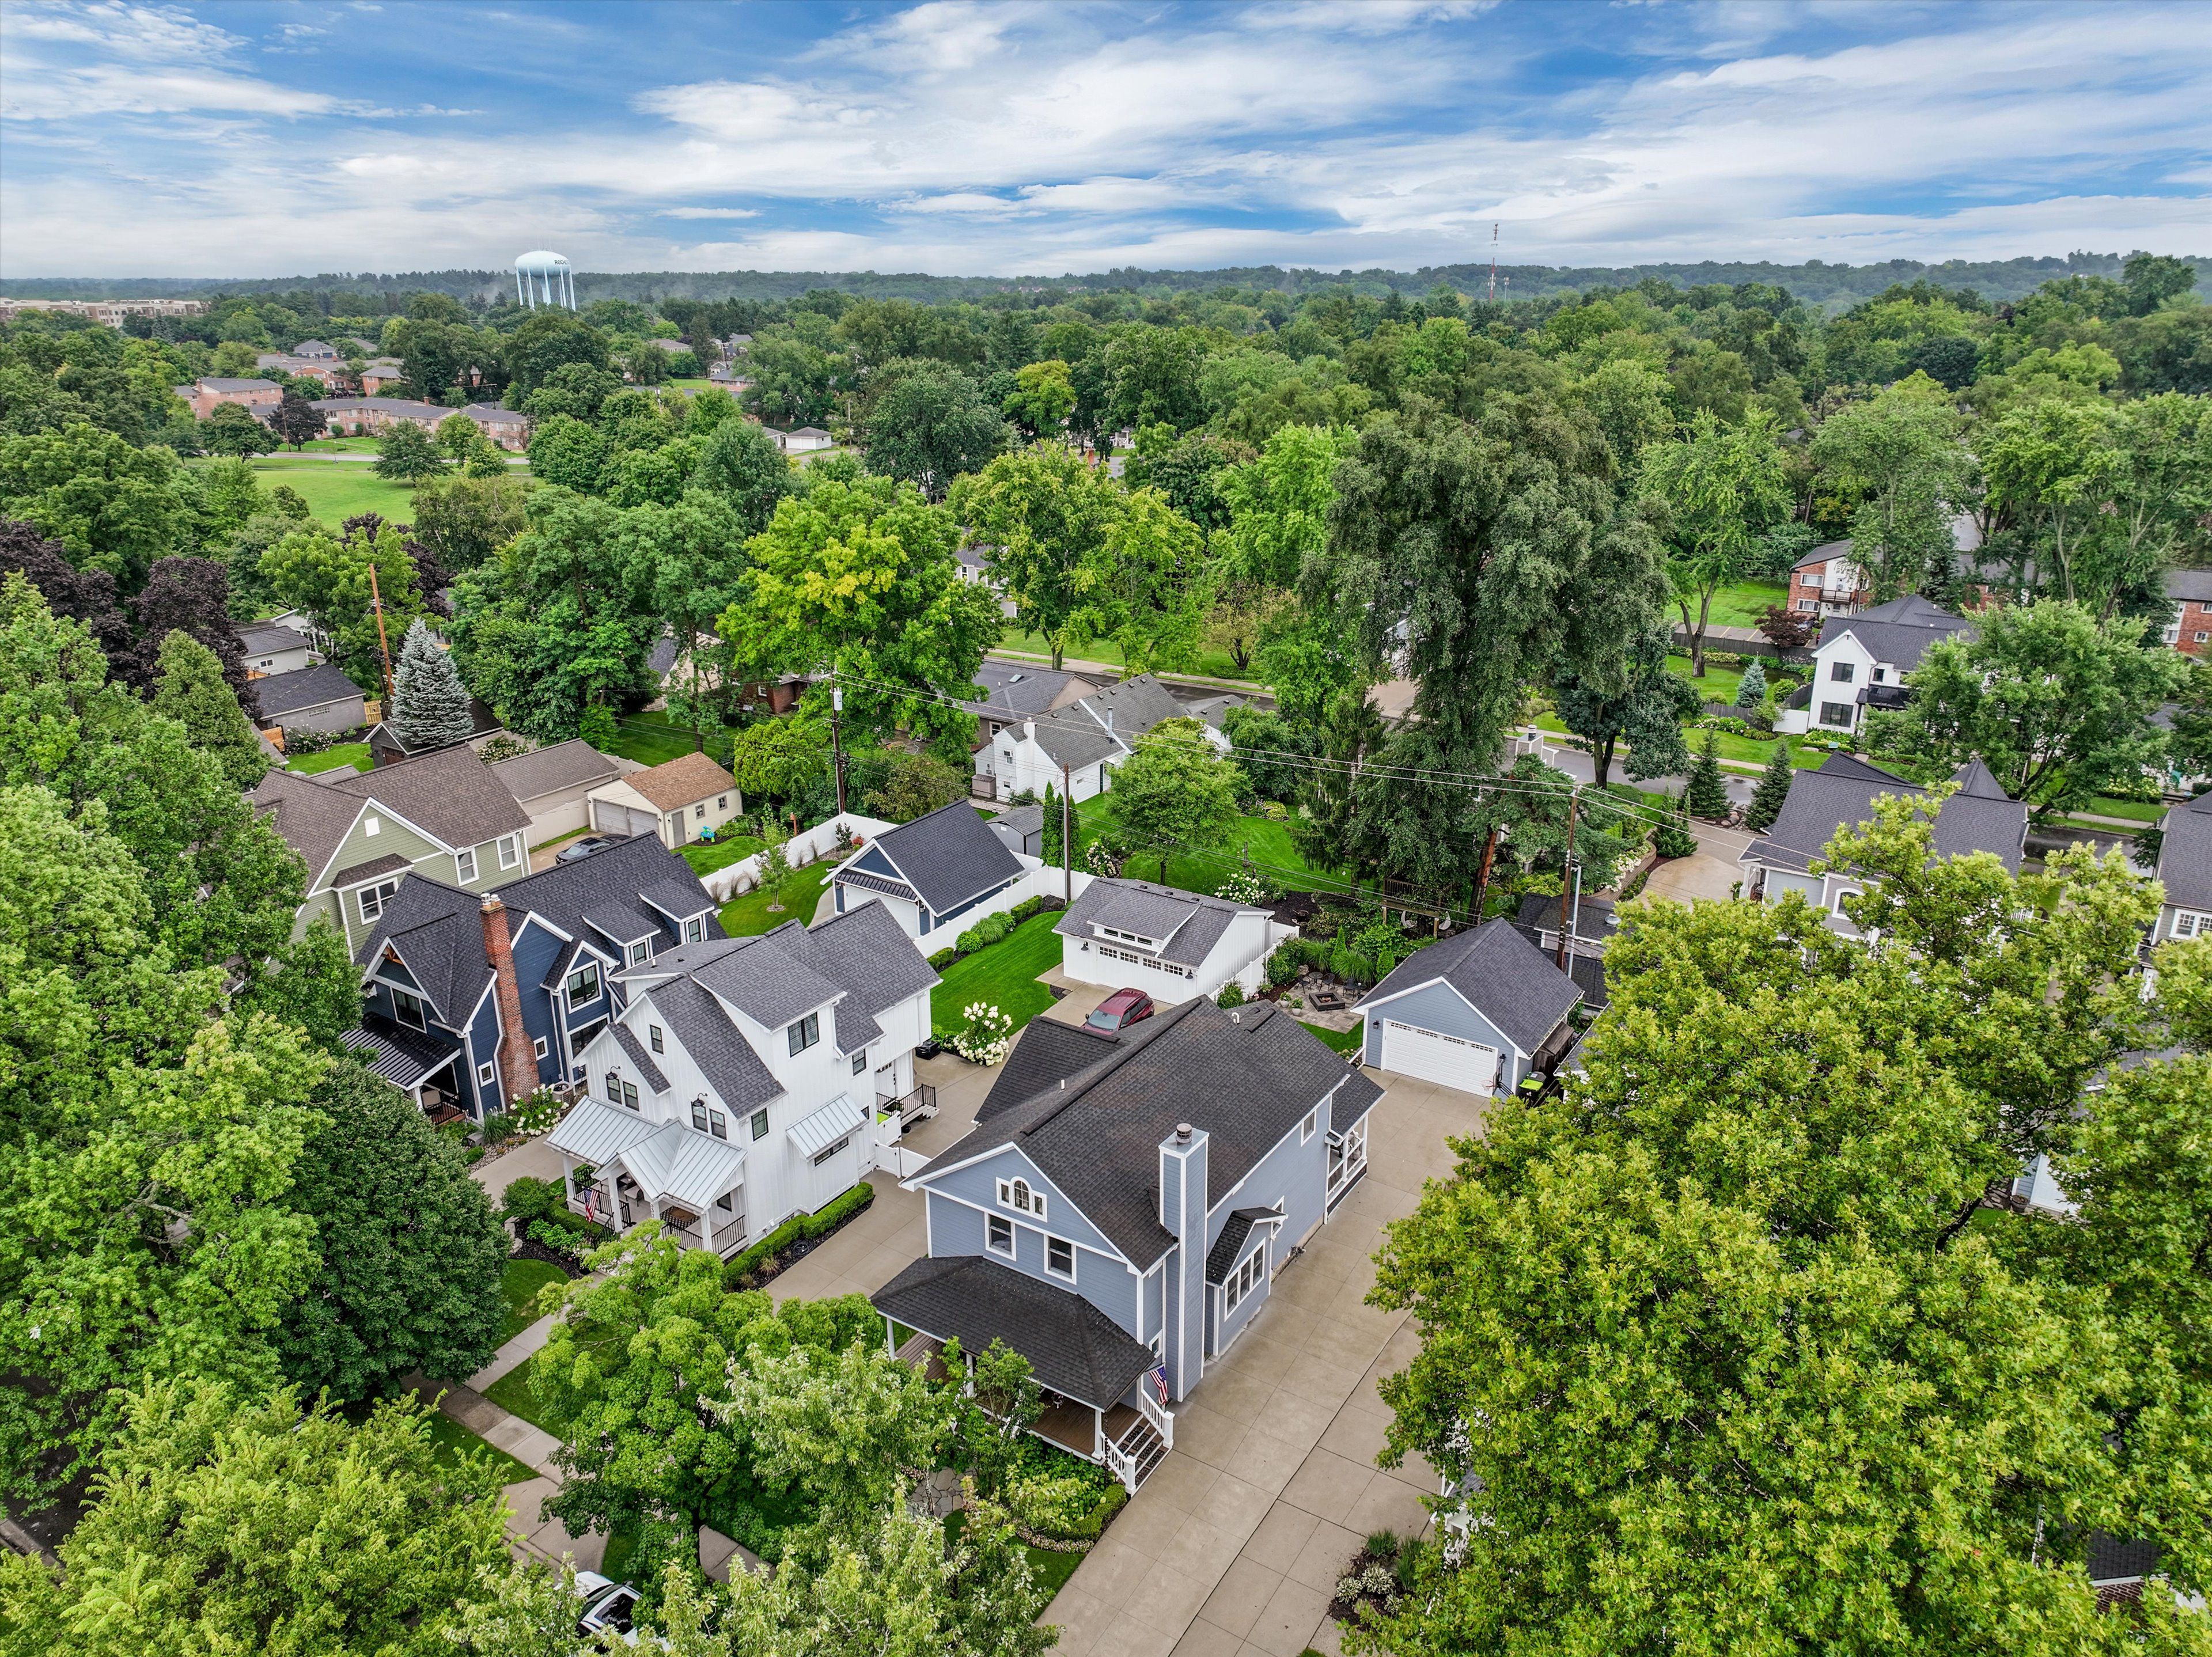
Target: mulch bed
<point>789,1256</point>
<point>1347,1610</point>
<point>529,1248</point>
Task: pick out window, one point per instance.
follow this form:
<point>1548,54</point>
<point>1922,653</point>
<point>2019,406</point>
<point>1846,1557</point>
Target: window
<point>699,812</point>
<point>641,952</point>
<point>1306,1128</point>
<point>721,802</point>
<point>805,1033</point>
<point>760,1125</point>
<point>1841,673</point>
<point>718,1125</point>
<point>583,985</point>
<point>407,1009</point>
<point>1060,1257</point>
<point>630,1095</point>
<point>1880,676</point>
<point>538,1047</point>
<point>464,863</point>
<point>510,851</point>
<point>1244,1279</point>
<point>371,899</point>
<point>613,1086</point>
<point>723,1203</point>
<point>861,1062</point>
<point>695,929</point>
<point>699,1114</point>
<point>2203,636</point>
<point>483,1075</point>
<point>653,1034</point>
<point>2189,924</point>
<point>828,1152</point>
<point>370,826</point>
<point>1017,1194</point>
<point>1000,1239</point>
<point>1808,603</point>
<point>1836,714</point>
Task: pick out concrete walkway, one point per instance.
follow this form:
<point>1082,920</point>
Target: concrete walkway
<point>511,1355</point>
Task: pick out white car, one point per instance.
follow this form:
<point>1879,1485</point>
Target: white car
<point>608,1605</point>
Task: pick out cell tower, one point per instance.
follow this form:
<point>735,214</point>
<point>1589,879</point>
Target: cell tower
<point>544,278</point>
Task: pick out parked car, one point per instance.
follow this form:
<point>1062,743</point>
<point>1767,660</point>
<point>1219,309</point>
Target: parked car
<point>608,1605</point>
<point>577,851</point>
<point>1120,1010</point>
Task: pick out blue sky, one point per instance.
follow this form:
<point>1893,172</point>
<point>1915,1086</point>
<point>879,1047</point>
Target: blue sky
<point>963,137</point>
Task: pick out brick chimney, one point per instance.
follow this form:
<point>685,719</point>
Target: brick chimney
<point>518,1065</point>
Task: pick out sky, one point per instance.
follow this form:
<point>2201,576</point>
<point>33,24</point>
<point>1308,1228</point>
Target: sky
<point>967,137</point>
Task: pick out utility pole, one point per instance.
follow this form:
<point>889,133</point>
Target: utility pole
<point>1574,801</point>
<point>1067,849</point>
<point>838,738</point>
<point>1494,261</point>
<point>383,645</point>
<point>1482,877</point>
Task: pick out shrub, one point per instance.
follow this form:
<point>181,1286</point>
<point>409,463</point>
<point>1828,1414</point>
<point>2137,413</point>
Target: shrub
<point>1283,965</point>
<point>539,1113</point>
<point>498,1125</point>
<point>1351,966</point>
<point>527,1198</point>
<point>944,958</point>
<point>993,929</point>
<point>1066,1506</point>
<point>1233,995</point>
<point>1246,887</point>
<point>820,1223</point>
<point>969,941</point>
<point>1033,906</point>
<point>502,747</point>
<point>985,1033</point>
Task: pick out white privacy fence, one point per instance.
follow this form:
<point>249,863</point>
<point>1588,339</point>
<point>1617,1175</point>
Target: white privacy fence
<point>809,846</point>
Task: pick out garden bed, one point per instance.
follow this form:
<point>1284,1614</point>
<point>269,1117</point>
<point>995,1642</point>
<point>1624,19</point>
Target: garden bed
<point>794,1240</point>
<point>1373,1578</point>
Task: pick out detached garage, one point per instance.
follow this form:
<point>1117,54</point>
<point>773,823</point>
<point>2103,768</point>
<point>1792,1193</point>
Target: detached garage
<point>1476,1012</point>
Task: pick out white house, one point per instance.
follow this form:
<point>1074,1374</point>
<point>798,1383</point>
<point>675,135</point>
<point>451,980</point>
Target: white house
<point>1171,945</point>
<point>271,649</point>
<point>2185,867</point>
<point>1477,1011</point>
<point>675,801</point>
<point>931,873</point>
<point>805,440</point>
<point>740,1084</point>
<point>1862,661</point>
<point>1075,745</point>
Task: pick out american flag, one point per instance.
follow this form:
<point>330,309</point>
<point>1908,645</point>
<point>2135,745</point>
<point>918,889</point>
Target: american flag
<point>1160,1383</point>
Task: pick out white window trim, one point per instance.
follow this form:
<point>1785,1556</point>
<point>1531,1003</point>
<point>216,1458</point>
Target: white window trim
<point>510,851</point>
<point>2190,923</point>
<point>1051,1271</point>
<point>1306,1128</point>
<point>538,1047</point>
<point>485,1074</point>
<point>464,863</point>
<point>382,890</point>
<point>1028,1200</point>
<point>991,1224</point>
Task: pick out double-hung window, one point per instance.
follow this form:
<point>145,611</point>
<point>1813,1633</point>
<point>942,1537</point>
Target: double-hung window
<point>652,1035</point>
<point>699,1114</point>
<point>805,1033</point>
<point>695,929</point>
<point>760,1125</point>
<point>510,851</point>
<point>717,1123</point>
<point>1843,672</point>
<point>1000,1239</point>
<point>2188,923</point>
<point>407,1008</point>
<point>861,1062</point>
<point>1060,1257</point>
<point>1244,1279</point>
<point>371,899</point>
<point>641,952</point>
<point>464,863</point>
<point>583,985</point>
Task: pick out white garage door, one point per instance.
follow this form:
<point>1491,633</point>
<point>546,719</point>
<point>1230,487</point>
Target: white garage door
<point>611,817</point>
<point>1433,1056</point>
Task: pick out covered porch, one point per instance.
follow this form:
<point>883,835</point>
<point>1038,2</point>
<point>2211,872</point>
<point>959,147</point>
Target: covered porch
<point>427,1065</point>
<point>620,1170</point>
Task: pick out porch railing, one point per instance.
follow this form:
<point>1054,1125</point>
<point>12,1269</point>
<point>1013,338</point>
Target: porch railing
<point>1124,1467</point>
<point>918,1106</point>
<point>1153,1411</point>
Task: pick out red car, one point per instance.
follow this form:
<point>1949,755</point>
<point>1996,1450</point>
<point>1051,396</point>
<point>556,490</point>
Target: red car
<point>1120,1010</point>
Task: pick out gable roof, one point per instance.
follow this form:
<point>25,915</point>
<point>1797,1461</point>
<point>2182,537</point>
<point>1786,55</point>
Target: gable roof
<point>1071,738</point>
<point>452,792</point>
<point>949,856</point>
<point>218,383</point>
<point>1191,923</point>
<point>2184,857</point>
<point>1977,818</point>
<point>717,1047</point>
<point>1503,976</point>
<point>1047,1050</point>
<point>1073,1347</point>
<point>311,816</point>
<point>1016,687</point>
<point>573,764</point>
<point>301,689</point>
<point>438,929</point>
<point>1246,1078</point>
<point>682,781</point>
<point>1133,707</point>
<point>1823,553</point>
<point>2192,584</point>
<point>256,637</point>
<point>866,953</point>
<point>1900,632</point>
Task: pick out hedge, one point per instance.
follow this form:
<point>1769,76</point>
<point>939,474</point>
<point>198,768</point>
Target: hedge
<point>798,1228</point>
<point>992,929</point>
<point>943,959</point>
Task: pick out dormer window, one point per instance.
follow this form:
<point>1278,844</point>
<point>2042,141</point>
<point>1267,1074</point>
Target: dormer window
<point>804,1034</point>
<point>641,952</point>
<point>653,1034</point>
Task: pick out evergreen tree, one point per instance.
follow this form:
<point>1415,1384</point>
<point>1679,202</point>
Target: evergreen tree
<point>189,688</point>
<point>430,705</point>
<point>1707,794</point>
<point>1773,790</point>
<point>1753,691</point>
<point>1049,849</point>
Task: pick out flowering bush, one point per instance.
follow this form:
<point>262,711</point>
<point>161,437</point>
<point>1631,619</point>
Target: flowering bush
<point>984,1035</point>
<point>1246,887</point>
<point>535,1115</point>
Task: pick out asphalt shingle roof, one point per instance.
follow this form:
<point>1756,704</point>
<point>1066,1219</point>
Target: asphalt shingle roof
<point>452,794</point>
<point>2184,860</point>
<point>1900,632</point>
<point>634,1051</point>
<point>2194,585</point>
<point>1190,922</point>
<point>1013,689</point>
<point>720,1049</point>
<point>1045,1050</point>
<point>1072,739</point>
<point>949,856</point>
<point>866,953</point>
<point>1073,1347</point>
<point>1503,977</point>
<point>1231,1243</point>
<point>302,689</point>
<point>1842,792</point>
<point>267,638</point>
<point>682,781</point>
<point>574,764</point>
<point>1246,1078</point>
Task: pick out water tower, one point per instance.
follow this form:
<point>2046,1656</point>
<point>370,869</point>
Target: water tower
<point>544,278</point>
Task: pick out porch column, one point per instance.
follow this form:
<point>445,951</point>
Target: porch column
<point>1098,1434</point>
<point>706,1227</point>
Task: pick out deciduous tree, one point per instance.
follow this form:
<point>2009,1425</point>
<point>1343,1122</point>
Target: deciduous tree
<point>1715,488</point>
<point>407,454</point>
<point>1898,457</point>
<point>1176,790</point>
<point>189,688</point>
<point>113,508</point>
<point>1041,516</point>
<point>1646,711</point>
<point>926,424</point>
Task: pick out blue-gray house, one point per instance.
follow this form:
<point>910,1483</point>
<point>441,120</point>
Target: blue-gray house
<point>1477,1011</point>
<point>930,872</point>
<point>1119,1209</point>
<point>447,975</point>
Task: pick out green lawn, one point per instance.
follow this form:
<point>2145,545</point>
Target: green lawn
<point>622,1549</point>
<point>748,916</point>
<point>452,1441</point>
<point>705,858</point>
<point>1740,604</point>
<point>336,493</point>
<point>1341,1041</point>
<point>520,1282</point>
<point>355,754</point>
<point>1048,1568</point>
<point>1211,663</point>
<point>2133,811</point>
<point>1004,974</point>
<point>511,1392</point>
<point>1266,841</point>
<point>652,738</point>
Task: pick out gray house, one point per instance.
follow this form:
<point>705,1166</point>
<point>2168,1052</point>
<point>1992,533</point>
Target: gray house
<point>319,698</point>
<point>2184,865</point>
<point>1477,1011</point>
<point>928,872</point>
<point>1119,1209</point>
<point>272,648</point>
